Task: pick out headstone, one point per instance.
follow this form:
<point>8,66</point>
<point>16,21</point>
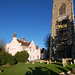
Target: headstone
<point>64,62</point>
<point>52,58</point>
<point>71,63</point>
<point>55,61</point>
<point>50,61</point>
<point>69,72</point>
<point>74,61</point>
<point>32,62</point>
<point>62,73</point>
<point>40,61</point>
<point>47,62</point>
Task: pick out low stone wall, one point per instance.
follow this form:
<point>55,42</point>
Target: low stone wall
<point>67,59</point>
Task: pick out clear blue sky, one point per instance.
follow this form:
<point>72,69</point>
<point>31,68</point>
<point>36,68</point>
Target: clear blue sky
<point>29,18</point>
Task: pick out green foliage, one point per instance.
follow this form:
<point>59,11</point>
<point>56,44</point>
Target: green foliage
<point>2,45</point>
<point>0,50</point>
<point>21,56</point>
<point>12,61</point>
<point>47,44</point>
<point>47,41</point>
<point>2,61</point>
<point>6,58</point>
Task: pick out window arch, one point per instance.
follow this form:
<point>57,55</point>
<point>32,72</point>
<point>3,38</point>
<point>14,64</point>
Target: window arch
<point>62,9</point>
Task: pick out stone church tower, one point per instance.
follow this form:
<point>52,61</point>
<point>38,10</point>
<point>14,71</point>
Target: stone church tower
<point>62,29</point>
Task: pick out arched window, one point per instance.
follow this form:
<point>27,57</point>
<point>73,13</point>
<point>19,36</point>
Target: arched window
<point>62,9</point>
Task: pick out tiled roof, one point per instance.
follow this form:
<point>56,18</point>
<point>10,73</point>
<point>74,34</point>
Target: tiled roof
<point>24,43</point>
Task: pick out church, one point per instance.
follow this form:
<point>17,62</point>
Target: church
<point>62,30</point>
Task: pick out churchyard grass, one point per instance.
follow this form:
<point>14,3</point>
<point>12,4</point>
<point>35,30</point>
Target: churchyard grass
<point>35,69</point>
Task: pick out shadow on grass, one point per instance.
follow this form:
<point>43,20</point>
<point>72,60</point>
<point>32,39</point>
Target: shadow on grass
<point>40,71</point>
<point>69,68</point>
<point>60,64</point>
<point>62,69</point>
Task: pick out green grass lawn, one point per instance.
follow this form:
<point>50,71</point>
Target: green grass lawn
<point>34,69</point>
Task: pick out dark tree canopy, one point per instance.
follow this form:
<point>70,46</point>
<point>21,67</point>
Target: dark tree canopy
<point>47,41</point>
<point>47,44</point>
<point>2,45</point>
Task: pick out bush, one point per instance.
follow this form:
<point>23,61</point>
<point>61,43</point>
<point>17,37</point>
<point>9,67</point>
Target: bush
<point>21,56</point>
<point>6,58</point>
<point>12,61</point>
<point>2,61</point>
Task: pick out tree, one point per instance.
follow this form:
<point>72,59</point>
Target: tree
<point>0,49</point>
<point>47,44</point>
<point>6,58</point>
<point>2,45</point>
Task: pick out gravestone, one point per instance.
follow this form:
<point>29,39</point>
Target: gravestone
<point>74,61</point>
<point>55,61</point>
<point>62,73</point>
<point>71,63</point>
<point>69,72</point>
<point>50,61</point>
<point>40,61</point>
<point>32,62</point>
<point>64,62</point>
<point>47,62</point>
